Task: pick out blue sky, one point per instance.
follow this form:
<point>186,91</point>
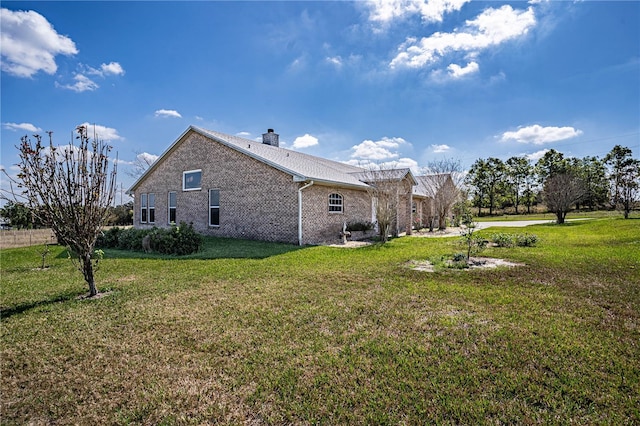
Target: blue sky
<point>400,81</point>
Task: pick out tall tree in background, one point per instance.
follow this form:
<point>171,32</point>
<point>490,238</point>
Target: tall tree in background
<point>487,179</point>
<point>444,179</point>
<point>592,172</point>
<point>624,176</point>
<point>477,179</point>
<point>550,164</point>
<point>19,215</point>
<point>70,188</point>
<point>519,171</point>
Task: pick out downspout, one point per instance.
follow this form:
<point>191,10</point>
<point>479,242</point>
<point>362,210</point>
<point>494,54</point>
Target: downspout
<point>300,210</point>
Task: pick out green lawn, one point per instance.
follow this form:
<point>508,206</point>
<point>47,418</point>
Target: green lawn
<point>250,332</point>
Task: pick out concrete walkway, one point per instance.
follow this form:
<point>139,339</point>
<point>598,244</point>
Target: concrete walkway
<point>451,232</point>
<point>513,223</point>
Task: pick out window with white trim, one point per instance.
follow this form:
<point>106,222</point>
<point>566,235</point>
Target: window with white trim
<point>214,207</point>
<point>172,203</point>
<point>335,203</point>
<point>143,208</point>
<point>152,208</point>
<point>191,180</point>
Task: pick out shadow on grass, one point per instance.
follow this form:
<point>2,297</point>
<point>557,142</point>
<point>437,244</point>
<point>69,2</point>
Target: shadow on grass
<point>214,248</point>
<point>6,313</point>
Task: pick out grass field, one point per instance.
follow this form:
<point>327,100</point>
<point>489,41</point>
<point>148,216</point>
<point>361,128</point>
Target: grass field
<point>259,333</point>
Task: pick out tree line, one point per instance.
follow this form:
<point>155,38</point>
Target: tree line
<point>557,181</point>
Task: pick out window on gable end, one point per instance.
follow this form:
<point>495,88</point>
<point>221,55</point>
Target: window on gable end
<point>335,203</point>
<point>191,180</point>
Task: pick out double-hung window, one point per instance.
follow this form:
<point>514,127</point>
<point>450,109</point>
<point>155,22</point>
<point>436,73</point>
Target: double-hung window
<point>214,207</point>
<point>143,208</point>
<point>152,208</point>
<point>172,203</point>
<point>335,203</point>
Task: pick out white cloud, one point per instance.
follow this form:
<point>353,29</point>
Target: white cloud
<point>28,127</point>
<point>29,43</point>
<point>243,134</point>
<point>386,11</point>
<point>539,135</point>
<point>378,150</point>
<point>334,60</point>
<point>440,148</point>
<point>305,141</point>
<point>492,27</point>
<point>112,68</point>
<point>536,155</point>
<point>168,113</point>
<point>82,84</point>
<point>101,132</point>
<point>456,71</point>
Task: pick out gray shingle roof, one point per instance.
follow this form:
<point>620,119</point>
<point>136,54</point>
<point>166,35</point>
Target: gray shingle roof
<point>301,166</point>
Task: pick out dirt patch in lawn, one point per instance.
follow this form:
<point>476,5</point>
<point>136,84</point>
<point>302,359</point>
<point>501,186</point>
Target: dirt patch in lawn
<point>474,263</point>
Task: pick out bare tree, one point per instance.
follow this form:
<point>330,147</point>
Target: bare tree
<point>142,162</point>
<point>391,195</point>
<point>70,188</point>
<point>443,180</point>
<point>560,192</point>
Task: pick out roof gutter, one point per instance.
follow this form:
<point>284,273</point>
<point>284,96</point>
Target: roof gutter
<point>300,210</point>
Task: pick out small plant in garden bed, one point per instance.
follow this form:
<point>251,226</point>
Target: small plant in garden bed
<point>526,240</point>
<point>503,239</point>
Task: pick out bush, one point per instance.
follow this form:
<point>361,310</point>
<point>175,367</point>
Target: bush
<point>177,240</point>
<point>503,239</point>
<point>131,239</point>
<point>109,238</point>
<point>459,257</point>
<point>509,240</point>
<point>526,240</point>
<point>359,226</point>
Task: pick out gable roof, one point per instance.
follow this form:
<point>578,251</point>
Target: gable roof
<point>370,176</point>
<point>302,167</point>
<point>428,184</point>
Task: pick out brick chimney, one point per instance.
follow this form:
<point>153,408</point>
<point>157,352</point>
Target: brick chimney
<point>271,138</point>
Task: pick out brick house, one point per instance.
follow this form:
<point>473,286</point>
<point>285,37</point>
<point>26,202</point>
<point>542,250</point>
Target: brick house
<point>229,186</point>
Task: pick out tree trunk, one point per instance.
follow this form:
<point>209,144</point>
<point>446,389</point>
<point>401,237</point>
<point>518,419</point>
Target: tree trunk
<point>442,222</point>
<point>384,232</point>
<point>560,217</point>
<point>87,271</point>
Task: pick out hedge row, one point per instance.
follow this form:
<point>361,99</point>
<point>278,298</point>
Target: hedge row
<point>177,240</point>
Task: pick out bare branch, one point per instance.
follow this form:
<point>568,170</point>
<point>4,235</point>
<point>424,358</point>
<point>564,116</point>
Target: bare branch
<point>70,189</point>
